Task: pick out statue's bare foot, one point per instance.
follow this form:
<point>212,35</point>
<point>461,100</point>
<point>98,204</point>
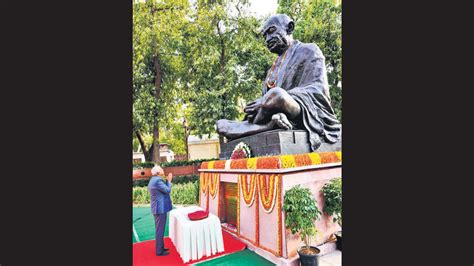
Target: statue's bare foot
<point>281,121</point>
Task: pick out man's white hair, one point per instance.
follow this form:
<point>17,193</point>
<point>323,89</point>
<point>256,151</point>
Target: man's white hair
<point>155,170</point>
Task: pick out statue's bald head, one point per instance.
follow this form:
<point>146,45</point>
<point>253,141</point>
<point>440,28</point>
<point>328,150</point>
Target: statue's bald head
<point>277,32</point>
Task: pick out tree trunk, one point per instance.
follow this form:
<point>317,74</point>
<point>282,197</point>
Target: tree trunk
<point>155,157</point>
<point>143,146</point>
<point>156,132</point>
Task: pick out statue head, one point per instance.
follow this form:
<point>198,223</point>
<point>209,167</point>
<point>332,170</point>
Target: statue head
<point>277,32</point>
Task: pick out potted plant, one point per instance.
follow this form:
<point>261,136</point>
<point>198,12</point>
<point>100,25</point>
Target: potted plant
<point>332,192</point>
<point>300,214</point>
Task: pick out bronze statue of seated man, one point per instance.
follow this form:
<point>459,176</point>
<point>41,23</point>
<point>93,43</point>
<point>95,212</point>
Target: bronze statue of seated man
<point>295,93</point>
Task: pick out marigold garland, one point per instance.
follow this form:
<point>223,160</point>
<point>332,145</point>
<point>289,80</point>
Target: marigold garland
<point>248,190</point>
<point>238,164</point>
<point>203,178</point>
<point>219,164</point>
<point>267,191</point>
<point>252,163</point>
<point>204,165</point>
<point>210,165</point>
<point>214,182</point>
<point>302,160</point>
<point>339,155</point>
<point>328,157</point>
<point>257,220</point>
<point>287,161</point>
<point>280,247</point>
<point>268,162</point>
<point>315,158</point>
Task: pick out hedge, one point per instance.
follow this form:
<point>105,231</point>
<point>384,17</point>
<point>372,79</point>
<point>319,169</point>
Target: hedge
<point>143,165</point>
<point>172,163</point>
<point>182,179</point>
<point>180,194</point>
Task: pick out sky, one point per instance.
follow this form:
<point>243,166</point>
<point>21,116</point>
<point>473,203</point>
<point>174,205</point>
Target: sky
<point>263,7</point>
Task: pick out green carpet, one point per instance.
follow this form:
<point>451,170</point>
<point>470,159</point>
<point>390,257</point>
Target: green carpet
<point>244,257</point>
<point>144,224</point>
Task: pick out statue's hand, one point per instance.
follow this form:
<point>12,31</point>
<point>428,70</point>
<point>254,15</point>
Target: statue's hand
<point>251,110</point>
<point>253,107</point>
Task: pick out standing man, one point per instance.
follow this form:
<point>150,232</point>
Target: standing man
<point>160,203</point>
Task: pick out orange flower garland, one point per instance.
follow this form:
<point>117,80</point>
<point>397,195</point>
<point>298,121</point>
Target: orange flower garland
<point>219,164</point>
<point>214,183</point>
<point>280,246</point>
<point>302,160</point>
<point>204,165</point>
<point>268,162</point>
<point>248,190</point>
<point>238,164</point>
<point>257,222</point>
<point>268,191</point>
<point>328,157</point>
<point>203,178</point>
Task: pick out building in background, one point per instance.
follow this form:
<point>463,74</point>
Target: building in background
<point>166,154</point>
<point>203,148</point>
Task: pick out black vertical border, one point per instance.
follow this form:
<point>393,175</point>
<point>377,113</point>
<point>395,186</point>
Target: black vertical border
<point>408,130</point>
<point>66,131</point>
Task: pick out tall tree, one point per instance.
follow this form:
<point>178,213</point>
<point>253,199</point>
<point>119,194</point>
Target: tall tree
<point>227,62</point>
<point>320,22</point>
<point>157,65</point>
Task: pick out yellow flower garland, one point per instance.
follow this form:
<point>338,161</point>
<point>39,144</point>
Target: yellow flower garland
<point>287,161</point>
<point>252,163</point>
<point>315,158</point>
<point>203,177</point>
<point>214,183</point>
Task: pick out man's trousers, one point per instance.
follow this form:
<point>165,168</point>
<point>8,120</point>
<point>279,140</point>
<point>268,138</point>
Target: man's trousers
<point>160,222</point>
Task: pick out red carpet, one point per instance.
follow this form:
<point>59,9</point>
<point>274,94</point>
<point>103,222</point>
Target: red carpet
<point>144,252</point>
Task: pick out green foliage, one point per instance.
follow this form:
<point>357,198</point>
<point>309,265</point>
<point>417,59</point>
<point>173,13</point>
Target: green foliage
<point>183,163</point>
<point>332,192</point>
<point>184,193</point>
<point>301,212</point>
<point>183,179</point>
<point>180,194</point>
<point>140,195</point>
<point>176,180</point>
<point>172,163</point>
<point>143,165</point>
<point>320,22</point>
<point>227,62</point>
<point>157,65</point>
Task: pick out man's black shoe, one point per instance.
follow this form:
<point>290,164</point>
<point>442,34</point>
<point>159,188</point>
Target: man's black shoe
<point>163,254</point>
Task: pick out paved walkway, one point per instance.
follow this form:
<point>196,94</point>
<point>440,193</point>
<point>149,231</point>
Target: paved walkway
<point>331,259</point>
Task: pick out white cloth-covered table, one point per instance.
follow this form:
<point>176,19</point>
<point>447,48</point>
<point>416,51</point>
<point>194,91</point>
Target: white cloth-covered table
<point>195,239</point>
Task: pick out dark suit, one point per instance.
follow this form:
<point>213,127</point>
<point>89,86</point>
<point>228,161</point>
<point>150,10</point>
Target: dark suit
<point>160,203</point>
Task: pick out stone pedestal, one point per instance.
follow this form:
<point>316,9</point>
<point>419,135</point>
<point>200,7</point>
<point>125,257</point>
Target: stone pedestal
<point>262,225</point>
<point>276,142</point>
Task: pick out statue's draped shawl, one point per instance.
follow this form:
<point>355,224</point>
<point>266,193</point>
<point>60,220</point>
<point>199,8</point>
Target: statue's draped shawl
<point>303,76</point>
